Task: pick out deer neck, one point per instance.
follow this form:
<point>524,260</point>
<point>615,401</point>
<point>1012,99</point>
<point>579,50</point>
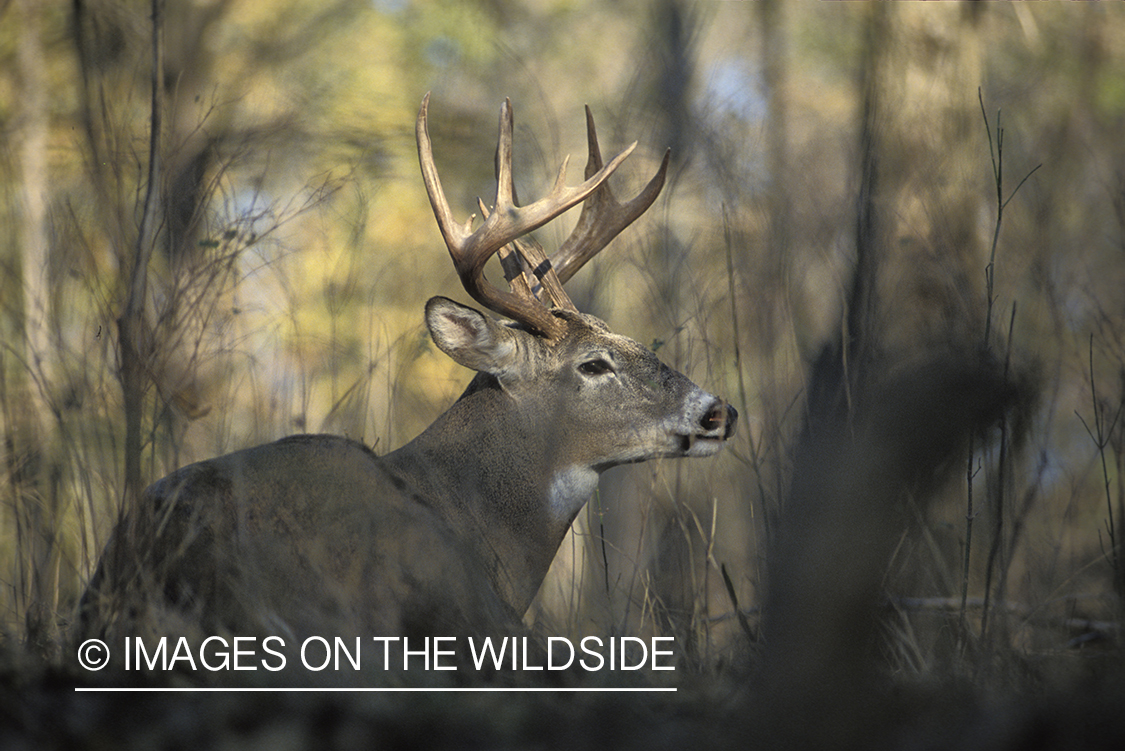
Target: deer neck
<point>502,481</point>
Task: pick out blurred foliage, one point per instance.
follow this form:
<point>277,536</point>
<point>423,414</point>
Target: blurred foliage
<point>296,249</point>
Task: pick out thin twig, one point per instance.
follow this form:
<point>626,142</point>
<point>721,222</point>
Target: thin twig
<point>131,321</point>
<point>1100,435</point>
<point>996,155</point>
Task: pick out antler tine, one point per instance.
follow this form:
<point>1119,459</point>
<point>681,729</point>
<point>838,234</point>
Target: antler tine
<point>507,222</point>
<point>453,233</point>
<point>603,216</point>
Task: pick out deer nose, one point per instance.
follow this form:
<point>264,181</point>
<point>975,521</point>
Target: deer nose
<point>719,415</point>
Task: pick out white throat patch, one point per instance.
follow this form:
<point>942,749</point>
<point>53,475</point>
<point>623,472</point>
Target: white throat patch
<point>569,489</point>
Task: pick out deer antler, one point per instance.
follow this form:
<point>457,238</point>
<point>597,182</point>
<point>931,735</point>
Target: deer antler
<point>507,222</point>
<point>603,217</point>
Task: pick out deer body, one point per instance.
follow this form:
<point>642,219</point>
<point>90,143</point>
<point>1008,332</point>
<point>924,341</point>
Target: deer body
<point>452,533</point>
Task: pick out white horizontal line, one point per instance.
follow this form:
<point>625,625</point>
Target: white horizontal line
<point>487,689</point>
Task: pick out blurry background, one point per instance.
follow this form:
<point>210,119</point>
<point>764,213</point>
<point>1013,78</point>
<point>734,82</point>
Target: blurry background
<point>290,250</point>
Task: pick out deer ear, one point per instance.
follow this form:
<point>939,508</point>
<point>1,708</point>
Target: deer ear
<point>469,337</point>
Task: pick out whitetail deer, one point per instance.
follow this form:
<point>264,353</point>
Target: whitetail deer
<point>454,531</point>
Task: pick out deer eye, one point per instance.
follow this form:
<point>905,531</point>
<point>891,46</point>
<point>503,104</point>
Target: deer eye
<point>595,367</point>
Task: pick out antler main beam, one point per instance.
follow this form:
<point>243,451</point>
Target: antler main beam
<point>601,220</point>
